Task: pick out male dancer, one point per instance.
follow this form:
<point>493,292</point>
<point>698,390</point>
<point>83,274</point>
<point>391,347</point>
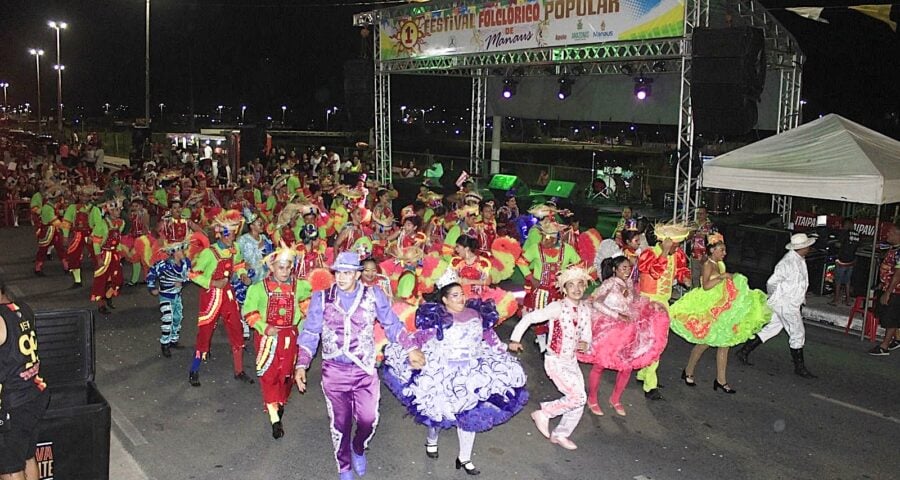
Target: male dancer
<point>212,272</point>
<point>77,224</point>
<point>48,234</point>
<point>660,268</point>
<point>272,308</point>
<point>787,293</point>
<point>166,278</point>
<point>570,329</point>
<point>106,237</point>
<point>343,316</point>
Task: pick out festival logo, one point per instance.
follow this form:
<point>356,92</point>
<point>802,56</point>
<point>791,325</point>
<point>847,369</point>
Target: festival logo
<point>409,37</point>
<point>43,454</point>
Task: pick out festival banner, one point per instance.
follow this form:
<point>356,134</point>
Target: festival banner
<point>472,26</point>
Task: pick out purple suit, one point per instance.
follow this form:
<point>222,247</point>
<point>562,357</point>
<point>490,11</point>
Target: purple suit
<point>344,321</point>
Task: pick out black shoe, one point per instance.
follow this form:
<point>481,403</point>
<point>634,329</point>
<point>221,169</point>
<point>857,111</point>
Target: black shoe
<point>744,352</point>
<point>75,286</point>
<point>688,379</point>
<point>654,394</point>
<point>40,273</point>
<point>194,379</point>
<point>467,467</point>
<point>165,350</point>
<point>878,351</point>
<point>895,344</point>
<point>243,377</point>
<point>277,430</point>
<point>109,303</point>
<point>725,388</point>
<point>431,451</point>
<point>799,364</point>
<point>104,310</point>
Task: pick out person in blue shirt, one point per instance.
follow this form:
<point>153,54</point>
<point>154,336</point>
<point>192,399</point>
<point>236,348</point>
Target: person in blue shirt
<point>165,279</point>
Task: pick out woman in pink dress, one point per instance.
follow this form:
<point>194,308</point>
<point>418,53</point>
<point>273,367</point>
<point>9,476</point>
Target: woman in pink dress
<point>629,332</point>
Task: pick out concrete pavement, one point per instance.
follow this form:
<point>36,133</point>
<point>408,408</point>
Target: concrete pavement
<point>842,426</point>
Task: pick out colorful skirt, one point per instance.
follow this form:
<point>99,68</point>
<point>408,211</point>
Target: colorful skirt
<point>726,315</point>
<point>621,345</point>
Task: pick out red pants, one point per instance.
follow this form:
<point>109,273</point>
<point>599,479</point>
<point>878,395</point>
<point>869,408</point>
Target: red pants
<point>275,360</point>
<point>216,302</point>
<point>47,236</point>
<point>75,252</point>
<point>107,276</point>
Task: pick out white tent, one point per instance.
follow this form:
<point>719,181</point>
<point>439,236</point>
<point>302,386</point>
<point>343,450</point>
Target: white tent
<point>831,158</point>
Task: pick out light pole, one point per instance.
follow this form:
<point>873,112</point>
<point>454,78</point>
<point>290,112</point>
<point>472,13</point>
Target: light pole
<point>59,105</point>
<point>4,86</point>
<point>147,66</point>
<point>37,52</point>
<point>243,109</point>
<point>283,110</point>
<point>219,108</point>
<point>161,106</point>
<point>106,108</point>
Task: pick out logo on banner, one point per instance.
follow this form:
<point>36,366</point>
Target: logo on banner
<point>43,455</point>
<point>409,37</point>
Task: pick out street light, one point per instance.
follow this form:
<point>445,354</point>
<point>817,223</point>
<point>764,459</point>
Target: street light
<point>59,105</point>
<point>4,86</point>
<point>243,109</point>
<point>283,110</point>
<point>327,114</point>
<point>37,52</point>
<point>106,108</point>
<point>161,106</point>
<point>219,108</point>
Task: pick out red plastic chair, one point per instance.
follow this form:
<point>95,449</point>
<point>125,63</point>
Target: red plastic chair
<point>870,327</point>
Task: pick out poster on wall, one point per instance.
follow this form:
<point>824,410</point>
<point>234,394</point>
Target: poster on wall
<point>465,27</point>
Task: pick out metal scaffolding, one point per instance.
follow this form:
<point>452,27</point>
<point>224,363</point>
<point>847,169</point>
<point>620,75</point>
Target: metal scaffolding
<point>614,58</point>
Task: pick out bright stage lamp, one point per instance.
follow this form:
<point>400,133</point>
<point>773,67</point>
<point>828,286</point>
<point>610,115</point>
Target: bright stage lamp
<point>642,88</point>
<point>565,88</point>
<point>509,88</point>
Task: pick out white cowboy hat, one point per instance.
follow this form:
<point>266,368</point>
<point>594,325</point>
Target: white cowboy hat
<point>798,241</point>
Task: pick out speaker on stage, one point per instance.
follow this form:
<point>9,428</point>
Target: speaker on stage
<point>502,183</point>
<point>728,73</point>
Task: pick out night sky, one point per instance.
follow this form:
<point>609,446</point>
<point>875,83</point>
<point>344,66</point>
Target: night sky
<point>267,53</point>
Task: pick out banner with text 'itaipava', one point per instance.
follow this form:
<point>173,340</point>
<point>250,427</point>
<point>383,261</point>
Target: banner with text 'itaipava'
<point>464,27</point>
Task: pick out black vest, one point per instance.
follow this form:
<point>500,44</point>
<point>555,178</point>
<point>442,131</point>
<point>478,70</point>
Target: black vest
<point>19,364</point>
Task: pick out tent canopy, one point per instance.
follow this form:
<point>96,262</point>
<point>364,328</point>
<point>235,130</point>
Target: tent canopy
<point>831,158</point>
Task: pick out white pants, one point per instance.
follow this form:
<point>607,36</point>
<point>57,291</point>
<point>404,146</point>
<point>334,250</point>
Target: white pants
<point>789,319</point>
<point>567,376</point>
<point>466,442</point>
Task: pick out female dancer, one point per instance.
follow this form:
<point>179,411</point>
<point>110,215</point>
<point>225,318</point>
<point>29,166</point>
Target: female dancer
<point>469,380</point>
<point>629,332</point>
<point>474,270</point>
<point>722,313</point>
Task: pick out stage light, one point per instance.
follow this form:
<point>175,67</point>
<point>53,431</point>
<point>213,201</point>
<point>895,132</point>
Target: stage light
<point>565,87</point>
<point>642,87</point>
<point>509,87</point>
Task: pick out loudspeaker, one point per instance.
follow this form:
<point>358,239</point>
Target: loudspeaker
<point>139,137</point>
<point>728,73</point>
<point>359,97</point>
<point>253,140</point>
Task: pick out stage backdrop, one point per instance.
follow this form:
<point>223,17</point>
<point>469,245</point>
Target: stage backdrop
<point>444,28</point>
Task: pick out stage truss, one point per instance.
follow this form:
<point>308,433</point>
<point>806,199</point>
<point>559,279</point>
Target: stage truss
<point>668,54</point>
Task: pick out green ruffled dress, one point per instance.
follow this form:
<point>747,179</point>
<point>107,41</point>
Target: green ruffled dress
<point>726,315</point>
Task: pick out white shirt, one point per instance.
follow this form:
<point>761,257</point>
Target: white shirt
<point>207,152</point>
<point>788,284</point>
<point>574,320</point>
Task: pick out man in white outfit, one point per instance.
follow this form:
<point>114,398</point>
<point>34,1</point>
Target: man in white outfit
<point>787,293</point>
<point>570,330</point>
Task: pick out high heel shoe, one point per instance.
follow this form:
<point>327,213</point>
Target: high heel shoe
<point>688,379</point>
<point>725,388</point>
<point>620,410</point>
<point>595,409</point>
<point>467,467</point>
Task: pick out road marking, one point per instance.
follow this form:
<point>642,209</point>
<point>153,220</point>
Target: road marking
<point>857,408</point>
<point>131,432</point>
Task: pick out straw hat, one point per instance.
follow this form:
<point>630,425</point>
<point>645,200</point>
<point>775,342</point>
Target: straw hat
<point>570,274</point>
<point>550,229</point>
<point>467,211</point>
<point>283,255</point>
<point>228,221</point>
<point>542,211</point>
<point>675,232</point>
<point>288,214</point>
<point>408,255</point>
<point>800,240</point>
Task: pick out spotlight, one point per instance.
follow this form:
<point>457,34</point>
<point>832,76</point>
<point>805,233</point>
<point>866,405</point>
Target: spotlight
<point>642,87</point>
<point>509,87</point>
<point>565,88</point>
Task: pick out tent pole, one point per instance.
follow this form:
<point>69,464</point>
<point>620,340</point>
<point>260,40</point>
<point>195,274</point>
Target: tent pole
<point>862,331</point>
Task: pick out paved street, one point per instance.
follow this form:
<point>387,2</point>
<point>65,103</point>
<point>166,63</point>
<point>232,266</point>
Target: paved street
<point>845,425</point>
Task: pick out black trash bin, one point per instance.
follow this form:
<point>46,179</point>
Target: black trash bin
<point>73,438</point>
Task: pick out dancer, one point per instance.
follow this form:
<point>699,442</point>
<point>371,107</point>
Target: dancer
<point>272,308</point>
<point>570,331</point>
<point>722,313</point>
<point>629,332</point>
<point>48,234</point>
<point>166,279</point>
<point>469,380</point>
<point>106,236</point>
<point>77,224</point>
<point>888,295</point>
<point>254,246</point>
<point>787,293</point>
<point>212,271</point>
<point>343,317</point>
<point>475,276</point>
<point>660,268</point>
